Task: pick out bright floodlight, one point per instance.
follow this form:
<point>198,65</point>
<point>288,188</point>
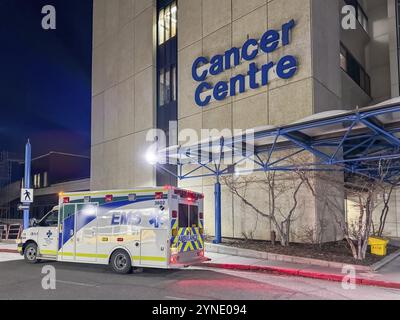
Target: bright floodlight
<point>151,156</point>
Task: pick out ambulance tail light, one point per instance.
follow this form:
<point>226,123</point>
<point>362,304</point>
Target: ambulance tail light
<point>159,195</point>
<point>109,198</point>
<point>174,232</point>
<point>174,214</point>
<point>174,259</point>
<point>66,200</point>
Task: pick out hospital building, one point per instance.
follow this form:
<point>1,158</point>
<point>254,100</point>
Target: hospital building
<point>233,64</point>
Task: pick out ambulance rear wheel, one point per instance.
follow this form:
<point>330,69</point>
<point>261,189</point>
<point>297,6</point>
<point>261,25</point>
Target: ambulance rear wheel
<point>31,252</point>
<point>121,262</point>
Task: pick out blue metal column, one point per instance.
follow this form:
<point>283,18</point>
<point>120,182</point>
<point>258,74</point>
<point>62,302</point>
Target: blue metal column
<point>217,194</point>
<point>27,179</point>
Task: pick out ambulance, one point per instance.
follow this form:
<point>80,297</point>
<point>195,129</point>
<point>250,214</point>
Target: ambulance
<point>126,229</point>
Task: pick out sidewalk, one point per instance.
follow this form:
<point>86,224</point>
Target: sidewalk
<point>8,252</point>
<point>6,247</point>
<point>388,276</point>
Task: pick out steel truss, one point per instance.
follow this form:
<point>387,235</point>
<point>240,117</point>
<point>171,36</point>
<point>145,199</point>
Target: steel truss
<point>364,142</point>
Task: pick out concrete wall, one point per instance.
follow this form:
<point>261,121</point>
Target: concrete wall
<point>392,226</point>
<point>378,48</point>
<point>393,51</point>
<point>123,106</point>
<point>211,27</point>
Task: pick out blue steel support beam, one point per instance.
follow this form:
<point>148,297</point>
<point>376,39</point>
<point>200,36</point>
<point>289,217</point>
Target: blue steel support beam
<point>218,228</point>
<point>382,132</point>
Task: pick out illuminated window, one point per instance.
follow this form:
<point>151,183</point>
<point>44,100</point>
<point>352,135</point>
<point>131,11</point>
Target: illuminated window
<point>174,19</point>
<point>167,23</point>
<point>173,84</point>
<point>167,85</point>
<point>45,180</point>
<point>167,91</point>
<point>161,35</point>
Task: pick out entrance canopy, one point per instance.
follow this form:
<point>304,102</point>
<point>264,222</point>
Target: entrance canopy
<point>363,141</point>
<point>360,141</point>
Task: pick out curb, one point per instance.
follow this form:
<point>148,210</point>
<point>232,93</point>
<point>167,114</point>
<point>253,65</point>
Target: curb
<point>247,253</point>
<point>303,274</point>
<point>8,251</point>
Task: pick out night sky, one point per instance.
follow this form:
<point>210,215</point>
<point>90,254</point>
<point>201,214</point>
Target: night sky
<point>45,83</point>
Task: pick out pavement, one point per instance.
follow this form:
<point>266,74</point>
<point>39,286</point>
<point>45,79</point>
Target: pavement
<point>223,277</point>
<point>19,280</point>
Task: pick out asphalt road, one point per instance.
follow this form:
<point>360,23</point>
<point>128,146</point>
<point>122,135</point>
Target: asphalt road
<point>19,280</point>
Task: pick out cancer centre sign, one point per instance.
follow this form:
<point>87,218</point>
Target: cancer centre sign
<point>271,40</point>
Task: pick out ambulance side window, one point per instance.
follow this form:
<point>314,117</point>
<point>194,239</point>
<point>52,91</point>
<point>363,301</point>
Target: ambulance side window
<point>183,220</point>
<point>51,220</point>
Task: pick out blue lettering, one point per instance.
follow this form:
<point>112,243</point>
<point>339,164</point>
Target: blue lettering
<point>286,28</point>
<point>220,90</point>
<point>124,219</point>
<point>235,52</point>
<point>116,219</point>
<point>245,50</point>
<point>286,67</point>
<point>217,65</point>
<point>253,75</point>
<point>265,73</point>
<point>242,81</point>
<point>269,41</point>
<point>197,63</point>
<point>202,87</point>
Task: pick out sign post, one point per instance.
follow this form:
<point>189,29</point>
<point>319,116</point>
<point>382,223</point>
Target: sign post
<point>27,192</point>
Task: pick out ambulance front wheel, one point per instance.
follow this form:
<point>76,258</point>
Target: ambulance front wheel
<point>121,262</point>
<point>31,252</point>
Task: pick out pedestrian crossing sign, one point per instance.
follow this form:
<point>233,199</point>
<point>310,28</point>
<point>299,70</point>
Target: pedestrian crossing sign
<point>26,195</point>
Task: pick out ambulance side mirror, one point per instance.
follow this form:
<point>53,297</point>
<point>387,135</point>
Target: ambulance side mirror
<point>34,222</point>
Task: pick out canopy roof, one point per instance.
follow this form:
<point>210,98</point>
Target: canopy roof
<point>359,141</point>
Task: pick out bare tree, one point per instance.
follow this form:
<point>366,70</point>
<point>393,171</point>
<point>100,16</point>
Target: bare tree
<point>275,186</point>
<point>363,190</point>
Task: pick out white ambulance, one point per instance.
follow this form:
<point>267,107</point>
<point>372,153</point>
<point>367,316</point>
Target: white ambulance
<point>149,227</point>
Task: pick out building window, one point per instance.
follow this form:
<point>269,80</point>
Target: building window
<point>167,23</point>
<point>361,16</point>
<point>167,85</point>
<point>36,181</point>
<point>174,85</point>
<point>45,180</point>
<point>354,69</point>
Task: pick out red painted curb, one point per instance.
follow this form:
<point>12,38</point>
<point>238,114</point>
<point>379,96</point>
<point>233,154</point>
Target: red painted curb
<point>8,251</point>
<point>305,274</point>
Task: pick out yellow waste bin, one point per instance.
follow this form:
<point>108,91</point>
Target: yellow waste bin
<point>378,246</point>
